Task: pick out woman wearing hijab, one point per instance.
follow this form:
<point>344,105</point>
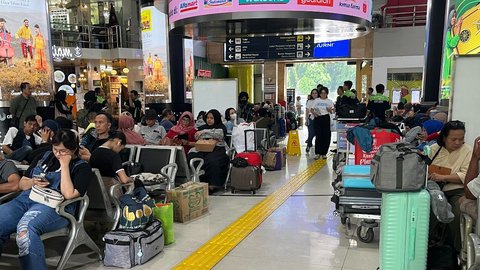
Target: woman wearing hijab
<point>126,125</point>
<point>183,133</point>
<point>216,162</point>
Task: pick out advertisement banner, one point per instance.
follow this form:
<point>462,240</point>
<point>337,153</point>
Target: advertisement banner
<point>461,37</point>
<point>25,49</point>
<point>182,9</point>
<point>189,68</point>
<point>155,56</point>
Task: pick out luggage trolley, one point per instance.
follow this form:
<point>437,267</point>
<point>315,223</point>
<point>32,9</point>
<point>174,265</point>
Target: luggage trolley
<point>343,125</point>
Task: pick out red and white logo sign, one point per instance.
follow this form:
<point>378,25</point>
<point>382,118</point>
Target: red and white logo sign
<point>325,3</point>
<point>188,5</point>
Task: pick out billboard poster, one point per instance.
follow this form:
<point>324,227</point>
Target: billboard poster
<point>155,56</point>
<point>25,48</point>
<point>189,68</point>
<point>461,37</point>
<point>183,9</point>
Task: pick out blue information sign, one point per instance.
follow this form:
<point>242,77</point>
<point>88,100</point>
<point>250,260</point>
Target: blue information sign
<point>334,49</point>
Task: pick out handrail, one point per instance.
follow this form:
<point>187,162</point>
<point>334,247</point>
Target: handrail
<point>92,36</point>
<point>417,15</point>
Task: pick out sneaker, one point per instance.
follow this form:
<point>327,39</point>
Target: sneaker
<point>308,149</point>
<point>317,157</point>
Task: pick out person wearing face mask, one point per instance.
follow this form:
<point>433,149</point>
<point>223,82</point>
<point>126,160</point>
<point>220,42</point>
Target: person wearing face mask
<point>245,109</point>
<point>310,117</point>
<point>232,119</point>
<point>321,111</point>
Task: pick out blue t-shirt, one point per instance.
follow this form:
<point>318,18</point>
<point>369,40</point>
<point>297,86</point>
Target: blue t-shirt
<point>166,124</point>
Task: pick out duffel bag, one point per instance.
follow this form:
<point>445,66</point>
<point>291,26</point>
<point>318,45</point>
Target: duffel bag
<point>125,249</point>
<point>398,167</point>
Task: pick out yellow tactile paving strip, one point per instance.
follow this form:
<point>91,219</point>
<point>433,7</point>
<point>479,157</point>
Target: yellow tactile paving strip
<point>212,252</point>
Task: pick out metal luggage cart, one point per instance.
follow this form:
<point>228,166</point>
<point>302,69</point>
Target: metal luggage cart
<point>343,147</point>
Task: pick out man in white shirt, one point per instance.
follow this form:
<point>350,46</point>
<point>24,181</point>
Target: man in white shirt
<point>19,143</point>
<point>153,133</point>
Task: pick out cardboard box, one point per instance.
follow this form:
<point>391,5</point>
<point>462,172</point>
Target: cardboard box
<point>190,200</point>
<point>205,145</point>
<point>284,154</point>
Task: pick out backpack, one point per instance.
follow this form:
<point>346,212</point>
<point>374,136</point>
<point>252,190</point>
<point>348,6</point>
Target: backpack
<point>136,208</point>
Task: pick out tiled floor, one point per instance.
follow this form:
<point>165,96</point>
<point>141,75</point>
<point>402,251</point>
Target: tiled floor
<point>301,234</point>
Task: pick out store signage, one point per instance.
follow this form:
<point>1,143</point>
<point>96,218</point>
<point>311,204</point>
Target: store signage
<point>336,49</point>
<point>184,9</point>
<point>204,73</point>
<point>66,52</point>
<point>249,2</point>
<point>260,48</point>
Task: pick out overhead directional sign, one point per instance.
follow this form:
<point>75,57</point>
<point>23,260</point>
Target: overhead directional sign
<point>261,48</point>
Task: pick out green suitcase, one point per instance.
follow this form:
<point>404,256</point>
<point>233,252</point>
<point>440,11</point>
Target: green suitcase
<point>404,230</point>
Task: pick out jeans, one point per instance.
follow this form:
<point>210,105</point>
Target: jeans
<point>21,153</point>
<point>29,220</point>
<point>311,132</point>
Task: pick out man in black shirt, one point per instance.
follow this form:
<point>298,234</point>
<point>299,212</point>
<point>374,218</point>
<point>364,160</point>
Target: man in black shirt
<point>134,106</point>
<point>106,158</point>
<point>9,176</point>
<point>103,123</point>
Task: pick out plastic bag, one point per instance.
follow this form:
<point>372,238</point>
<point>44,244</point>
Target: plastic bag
<point>164,213</point>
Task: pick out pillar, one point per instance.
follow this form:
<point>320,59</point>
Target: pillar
<point>245,78</point>
<point>270,81</point>
<point>281,81</point>
<point>433,50</point>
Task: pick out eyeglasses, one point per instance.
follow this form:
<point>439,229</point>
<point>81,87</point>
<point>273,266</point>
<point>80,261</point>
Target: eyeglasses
<point>60,151</point>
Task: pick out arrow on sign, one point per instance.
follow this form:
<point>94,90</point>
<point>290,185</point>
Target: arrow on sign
<point>308,38</point>
<point>230,41</point>
<point>307,54</point>
<point>307,46</point>
<point>231,49</point>
<point>230,56</point>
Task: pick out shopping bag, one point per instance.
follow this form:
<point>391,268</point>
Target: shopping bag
<point>164,213</point>
<point>238,137</point>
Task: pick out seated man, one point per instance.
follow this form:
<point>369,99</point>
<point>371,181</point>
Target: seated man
<point>97,137</point>
<point>19,143</point>
<point>153,133</point>
<point>9,176</point>
<point>106,158</point>
<point>167,119</point>
<point>47,132</point>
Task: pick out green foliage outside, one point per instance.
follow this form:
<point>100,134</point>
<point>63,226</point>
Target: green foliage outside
<point>306,76</point>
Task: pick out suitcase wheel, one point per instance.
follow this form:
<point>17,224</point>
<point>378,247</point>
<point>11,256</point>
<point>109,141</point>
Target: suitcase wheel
<point>365,236</point>
<point>344,220</point>
<point>253,192</point>
<point>233,191</point>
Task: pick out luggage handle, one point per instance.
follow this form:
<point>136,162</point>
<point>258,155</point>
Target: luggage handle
<point>412,234</point>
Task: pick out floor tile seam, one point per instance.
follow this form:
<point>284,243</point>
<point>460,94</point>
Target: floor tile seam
<point>297,181</point>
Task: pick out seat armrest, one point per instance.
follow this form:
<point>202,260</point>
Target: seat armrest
<point>81,211</point>
<point>169,172</point>
<point>196,170</point>
<point>8,196</point>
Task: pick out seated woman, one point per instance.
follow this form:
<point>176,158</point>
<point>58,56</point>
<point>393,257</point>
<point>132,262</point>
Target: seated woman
<point>65,172</point>
<point>216,162</point>
<point>106,159</point>
<point>232,119</point>
<point>126,124</point>
<point>450,159</point>
<point>183,133</point>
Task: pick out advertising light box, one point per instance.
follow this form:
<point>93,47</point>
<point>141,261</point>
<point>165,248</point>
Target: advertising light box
<point>184,9</point>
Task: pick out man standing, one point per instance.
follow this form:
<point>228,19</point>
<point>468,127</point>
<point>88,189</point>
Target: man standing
<point>39,45</point>
<point>24,34</point>
<point>245,109</point>
<point>157,69</point>
<point>153,133</point>
<point>23,105</point>
<point>378,103</point>
<point>134,106</point>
